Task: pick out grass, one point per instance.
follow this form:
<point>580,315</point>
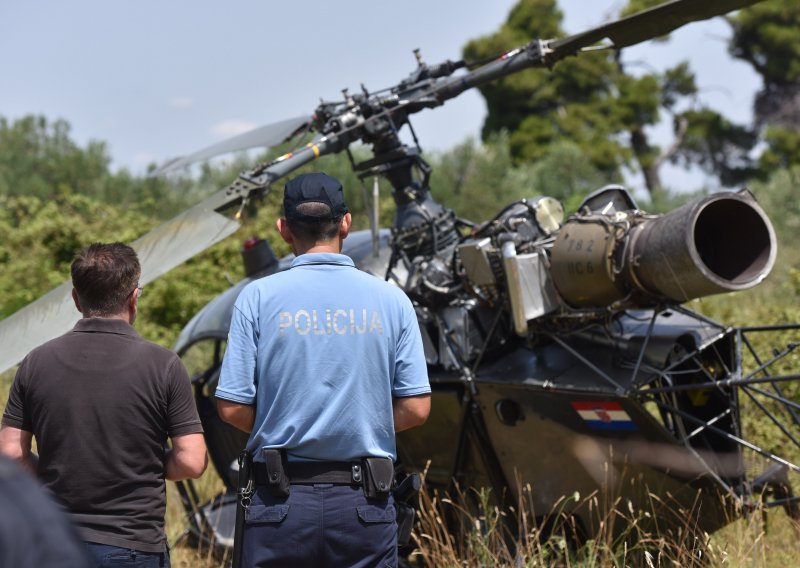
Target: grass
<point>755,540</point>
<point>469,529</point>
<point>176,525</point>
<point>484,538</point>
<point>489,536</point>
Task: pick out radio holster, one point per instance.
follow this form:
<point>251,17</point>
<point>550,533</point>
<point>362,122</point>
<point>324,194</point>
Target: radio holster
<point>277,478</point>
<point>378,477</point>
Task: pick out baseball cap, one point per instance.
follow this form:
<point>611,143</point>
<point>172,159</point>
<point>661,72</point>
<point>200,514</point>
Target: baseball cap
<point>313,188</point>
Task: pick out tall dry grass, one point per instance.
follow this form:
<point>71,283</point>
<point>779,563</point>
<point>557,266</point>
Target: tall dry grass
<point>453,532</point>
<point>469,529</point>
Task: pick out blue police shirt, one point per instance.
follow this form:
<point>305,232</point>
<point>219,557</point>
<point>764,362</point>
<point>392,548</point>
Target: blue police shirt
<point>321,349</point>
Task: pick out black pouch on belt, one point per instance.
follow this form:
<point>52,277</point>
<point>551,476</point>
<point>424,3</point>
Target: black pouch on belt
<point>378,477</point>
<point>277,479</point>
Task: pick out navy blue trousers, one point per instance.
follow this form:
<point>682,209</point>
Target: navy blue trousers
<point>321,526</point>
<point>107,556</point>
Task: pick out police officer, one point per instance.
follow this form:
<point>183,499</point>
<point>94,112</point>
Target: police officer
<point>324,364</point>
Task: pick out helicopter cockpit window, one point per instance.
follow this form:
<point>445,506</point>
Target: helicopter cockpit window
<point>203,358</point>
<point>608,200</point>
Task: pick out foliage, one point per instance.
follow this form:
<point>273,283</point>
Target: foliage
<point>38,239</point>
<point>783,149</point>
<point>477,181</point>
<point>596,103</point>
<point>778,197</point>
<point>486,539</point>
<point>53,212</point>
<point>39,159</point>
<point>765,36</point>
<point>718,146</point>
<point>539,106</point>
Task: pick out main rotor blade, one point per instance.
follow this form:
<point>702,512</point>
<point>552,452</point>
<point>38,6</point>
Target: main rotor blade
<point>265,136</point>
<point>648,24</point>
<point>179,239</point>
<point>160,250</point>
<point>46,318</point>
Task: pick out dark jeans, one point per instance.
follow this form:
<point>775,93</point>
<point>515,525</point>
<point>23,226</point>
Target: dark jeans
<point>322,526</point>
<point>105,556</point>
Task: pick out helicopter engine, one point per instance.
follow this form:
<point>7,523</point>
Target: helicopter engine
<point>611,256</point>
<point>720,243</point>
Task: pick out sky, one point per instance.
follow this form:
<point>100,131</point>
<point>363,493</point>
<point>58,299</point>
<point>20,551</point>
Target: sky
<point>159,79</point>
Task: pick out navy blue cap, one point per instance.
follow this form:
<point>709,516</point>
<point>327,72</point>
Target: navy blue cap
<point>313,188</point>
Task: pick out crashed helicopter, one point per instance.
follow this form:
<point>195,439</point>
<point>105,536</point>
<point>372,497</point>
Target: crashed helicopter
<point>560,353</point>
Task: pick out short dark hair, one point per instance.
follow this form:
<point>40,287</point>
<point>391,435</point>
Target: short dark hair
<point>104,276</point>
<point>324,229</point>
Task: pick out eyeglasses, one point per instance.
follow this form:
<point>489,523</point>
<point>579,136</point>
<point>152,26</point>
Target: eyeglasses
<point>139,288</point>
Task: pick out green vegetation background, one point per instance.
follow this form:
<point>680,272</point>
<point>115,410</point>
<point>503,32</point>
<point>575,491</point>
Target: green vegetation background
<point>57,197</point>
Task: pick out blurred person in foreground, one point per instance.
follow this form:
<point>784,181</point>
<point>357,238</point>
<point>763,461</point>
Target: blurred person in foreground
<point>324,364</point>
<point>101,403</point>
<point>33,531</point>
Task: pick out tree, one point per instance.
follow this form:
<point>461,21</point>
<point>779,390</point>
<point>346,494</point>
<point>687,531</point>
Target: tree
<point>39,238</point>
<point>765,35</point>
<point>38,158</point>
<point>478,180</point>
<point>594,102</point>
<point>538,106</point>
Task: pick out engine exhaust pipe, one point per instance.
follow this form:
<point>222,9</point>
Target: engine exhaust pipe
<point>720,243</point>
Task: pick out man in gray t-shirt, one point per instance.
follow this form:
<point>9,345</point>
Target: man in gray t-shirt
<point>101,403</point>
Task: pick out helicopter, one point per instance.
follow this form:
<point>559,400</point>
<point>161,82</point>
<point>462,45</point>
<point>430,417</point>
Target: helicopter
<point>559,348</point>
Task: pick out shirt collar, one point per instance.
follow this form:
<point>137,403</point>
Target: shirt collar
<point>322,258</point>
<point>105,325</point>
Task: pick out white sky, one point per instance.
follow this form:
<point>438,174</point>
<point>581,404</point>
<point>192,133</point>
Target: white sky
<point>159,79</point>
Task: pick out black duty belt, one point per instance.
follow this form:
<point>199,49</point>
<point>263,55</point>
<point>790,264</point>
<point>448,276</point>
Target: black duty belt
<point>309,473</point>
